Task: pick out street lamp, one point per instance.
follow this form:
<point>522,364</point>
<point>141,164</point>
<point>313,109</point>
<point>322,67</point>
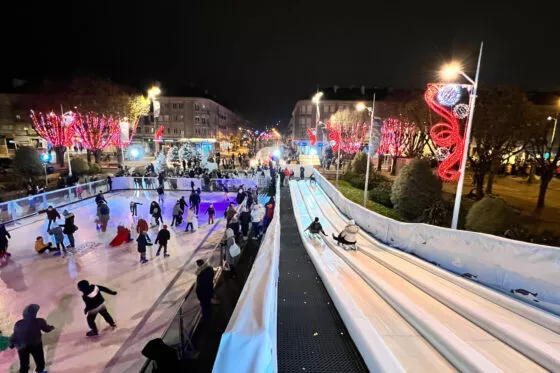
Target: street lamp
<point>316,99</point>
<point>449,72</point>
<point>152,94</point>
<point>361,107</point>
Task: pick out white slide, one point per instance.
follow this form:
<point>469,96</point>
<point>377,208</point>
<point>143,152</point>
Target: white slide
<point>472,327</point>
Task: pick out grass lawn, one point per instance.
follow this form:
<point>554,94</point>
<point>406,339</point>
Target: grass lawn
<point>357,195</point>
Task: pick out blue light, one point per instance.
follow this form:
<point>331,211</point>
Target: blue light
<point>449,95</point>
<point>45,157</point>
<point>276,153</point>
<point>134,152</point>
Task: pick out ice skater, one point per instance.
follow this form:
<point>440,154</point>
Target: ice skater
<point>41,246</point>
<point>161,195</point>
<point>194,200</point>
<point>230,212</point>
<point>226,191</point>
<point>110,183</point>
<point>99,198</point>
<point>177,214</point>
<point>103,212</point>
<point>27,338</point>
<point>56,231</point>
<point>52,215</point>
<point>95,304</point>
<point>190,218</point>
<point>348,236</point>
<point>4,235</point>
<point>211,212</point>
<point>155,211</point>
<point>162,237</point>
<point>312,179</point>
<point>69,227</point>
<point>143,241</point>
<point>134,208</point>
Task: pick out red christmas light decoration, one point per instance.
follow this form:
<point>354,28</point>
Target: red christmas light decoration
<point>312,136</point>
<point>53,128</point>
<point>349,138</point>
<point>96,132</point>
<point>159,134</point>
<point>117,139</point>
<point>446,135</point>
<point>395,137</point>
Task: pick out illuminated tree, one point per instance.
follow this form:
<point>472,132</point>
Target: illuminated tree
<point>57,130</point>
<point>161,163</point>
<point>173,157</point>
<point>95,132</point>
<point>396,137</point>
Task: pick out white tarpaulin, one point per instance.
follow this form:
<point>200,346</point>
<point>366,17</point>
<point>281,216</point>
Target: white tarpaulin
<point>528,271</point>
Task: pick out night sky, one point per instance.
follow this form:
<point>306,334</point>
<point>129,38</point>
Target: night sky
<point>260,57</point>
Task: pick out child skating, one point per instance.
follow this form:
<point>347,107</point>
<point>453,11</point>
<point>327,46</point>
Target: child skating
<point>95,304</point>
<point>211,212</point>
<point>190,217</point>
<point>162,237</point>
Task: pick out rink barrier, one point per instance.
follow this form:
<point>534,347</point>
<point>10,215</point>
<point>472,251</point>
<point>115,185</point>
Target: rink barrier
<point>376,354</point>
<point>249,342</point>
<point>17,209</point>
<point>455,350</point>
<point>500,263</point>
<point>182,183</point>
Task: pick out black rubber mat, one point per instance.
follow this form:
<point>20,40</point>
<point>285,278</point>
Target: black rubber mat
<point>311,335</point>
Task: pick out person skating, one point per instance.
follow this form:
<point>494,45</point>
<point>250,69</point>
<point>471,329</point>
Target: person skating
<point>245,220</point>
<point>177,214</point>
<point>69,227</point>
<point>99,198</point>
<point>183,203</point>
<point>103,212</point>
<point>226,191</point>
<point>110,183</point>
<point>211,212</point>
<point>161,196</point>
<point>190,218</point>
<point>142,226</point>
<point>27,338</point>
<point>41,246</point>
<point>194,200</point>
<point>4,235</point>
<point>143,241</point>
<point>315,227</point>
<point>155,211</point>
<point>205,287</point>
<point>56,231</point>
<point>134,208</point>
<point>52,215</point>
<point>95,304</point>
<point>162,237</point>
<point>348,235</point>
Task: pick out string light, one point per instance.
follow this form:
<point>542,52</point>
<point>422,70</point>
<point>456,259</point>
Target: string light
<point>312,136</point>
<point>446,135</point>
<point>461,111</point>
<point>96,132</point>
<point>117,140</point>
<point>449,94</point>
<point>159,134</point>
<point>54,128</point>
<point>348,137</point>
<point>395,137</point>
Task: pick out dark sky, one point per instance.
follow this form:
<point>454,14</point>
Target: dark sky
<point>261,56</point>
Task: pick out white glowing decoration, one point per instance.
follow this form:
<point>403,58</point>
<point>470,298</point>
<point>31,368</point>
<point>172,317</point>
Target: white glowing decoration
<point>441,153</point>
<point>134,152</point>
<point>449,95</point>
<point>461,111</point>
<point>276,153</point>
<point>313,151</point>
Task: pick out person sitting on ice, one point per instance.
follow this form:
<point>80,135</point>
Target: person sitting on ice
<point>315,227</point>
<point>123,235</point>
<point>41,246</point>
<point>348,235</point>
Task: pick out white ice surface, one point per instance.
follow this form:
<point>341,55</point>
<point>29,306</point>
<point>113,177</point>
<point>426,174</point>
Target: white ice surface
<point>148,295</point>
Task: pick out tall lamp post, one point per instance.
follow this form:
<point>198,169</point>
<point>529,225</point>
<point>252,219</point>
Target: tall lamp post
<point>152,94</point>
<point>361,107</point>
<point>450,72</point>
<point>555,123</point>
<point>316,100</point>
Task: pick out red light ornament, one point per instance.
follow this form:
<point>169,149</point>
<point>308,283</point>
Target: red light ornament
<point>54,128</point>
<point>312,136</point>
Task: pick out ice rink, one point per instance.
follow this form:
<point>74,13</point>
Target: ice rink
<point>148,294</point>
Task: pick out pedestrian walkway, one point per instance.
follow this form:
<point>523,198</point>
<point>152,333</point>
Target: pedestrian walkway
<point>311,335</point>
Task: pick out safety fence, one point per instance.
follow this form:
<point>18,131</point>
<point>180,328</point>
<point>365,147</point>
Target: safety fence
<point>34,204</point>
<point>528,271</point>
<point>181,183</point>
<point>249,341</point>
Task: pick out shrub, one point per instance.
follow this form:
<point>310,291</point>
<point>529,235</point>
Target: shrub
<point>27,163</point>
<point>415,189</point>
<point>95,169</point>
<point>359,164</point>
<point>79,166</point>
<point>439,213</point>
<point>382,194</point>
<point>357,171</point>
<point>490,215</point>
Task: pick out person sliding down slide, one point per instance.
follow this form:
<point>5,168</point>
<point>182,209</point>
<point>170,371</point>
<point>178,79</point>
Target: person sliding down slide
<point>348,235</point>
<point>315,228</point>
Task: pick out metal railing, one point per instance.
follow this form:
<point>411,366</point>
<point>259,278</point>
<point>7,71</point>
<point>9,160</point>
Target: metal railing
<point>181,183</point>
<point>34,204</point>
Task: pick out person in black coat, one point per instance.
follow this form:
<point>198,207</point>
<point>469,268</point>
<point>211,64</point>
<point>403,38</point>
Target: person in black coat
<point>162,237</point>
<point>240,196</point>
<point>110,183</point>
<point>4,235</point>
<point>245,221</point>
<point>52,215</point>
<point>164,356</point>
<point>143,241</point>
<point>301,173</point>
<point>183,203</point>
<point>194,200</point>
<point>155,211</point>
<point>99,197</point>
<point>27,338</point>
<point>205,287</point>
<point>95,304</point>
<point>69,227</point>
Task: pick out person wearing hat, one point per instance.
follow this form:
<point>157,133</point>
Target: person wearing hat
<point>348,235</point>
<point>69,227</point>
<point>162,237</point>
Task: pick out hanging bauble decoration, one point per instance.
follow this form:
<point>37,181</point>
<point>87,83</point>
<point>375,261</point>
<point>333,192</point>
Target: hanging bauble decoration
<point>449,95</point>
<point>441,153</point>
<point>461,111</point>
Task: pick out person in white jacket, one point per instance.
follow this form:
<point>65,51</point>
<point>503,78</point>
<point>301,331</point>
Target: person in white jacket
<point>348,234</point>
<point>257,215</point>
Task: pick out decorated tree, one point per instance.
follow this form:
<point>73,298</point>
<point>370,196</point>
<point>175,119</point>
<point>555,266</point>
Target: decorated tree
<point>95,132</point>
<point>160,163</point>
<point>173,157</point>
<point>396,136</point>
<point>57,130</point>
<point>123,137</point>
<point>188,153</point>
